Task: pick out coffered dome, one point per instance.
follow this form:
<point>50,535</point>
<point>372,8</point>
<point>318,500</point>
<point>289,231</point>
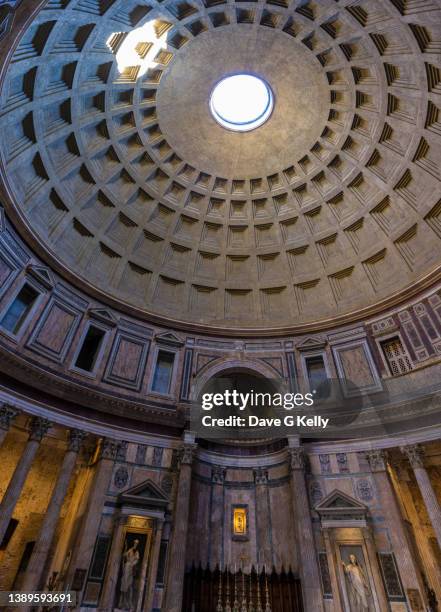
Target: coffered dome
<point>118,173</point>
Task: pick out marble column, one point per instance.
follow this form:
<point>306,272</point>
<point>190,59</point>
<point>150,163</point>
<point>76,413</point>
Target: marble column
<point>263,517</point>
<point>38,429</point>
<point>7,414</point>
<point>113,565</point>
<point>45,537</point>
<point>330,555</point>
<point>153,568</point>
<point>415,454</point>
<point>419,526</point>
<point>84,541</point>
<point>308,563</point>
<point>376,572</point>
<point>216,515</point>
<point>402,547</point>
<point>176,567</point>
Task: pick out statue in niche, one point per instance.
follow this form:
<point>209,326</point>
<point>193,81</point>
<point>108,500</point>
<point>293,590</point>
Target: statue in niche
<point>131,558</point>
<point>357,582</point>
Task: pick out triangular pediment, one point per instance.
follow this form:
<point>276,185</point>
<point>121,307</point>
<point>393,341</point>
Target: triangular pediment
<point>103,315</point>
<point>340,504</point>
<point>169,338</point>
<point>311,343</point>
<point>6,22</point>
<point>43,275</point>
<point>146,493</point>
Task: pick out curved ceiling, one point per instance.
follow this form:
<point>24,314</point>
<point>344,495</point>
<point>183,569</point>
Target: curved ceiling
<point>119,172</point>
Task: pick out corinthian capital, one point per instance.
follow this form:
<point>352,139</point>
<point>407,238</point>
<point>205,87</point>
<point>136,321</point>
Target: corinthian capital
<point>39,428</point>
<point>218,474</point>
<point>76,437</point>
<point>108,449</point>
<point>260,476</point>
<point>415,454</point>
<point>186,454</point>
<point>297,458</point>
<point>377,460</point>
<point>7,414</point>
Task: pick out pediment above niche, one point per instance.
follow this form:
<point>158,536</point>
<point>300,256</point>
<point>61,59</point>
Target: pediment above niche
<point>311,343</point>
<point>340,509</point>
<point>146,494</point>
<point>169,338</point>
<point>103,315</point>
<point>43,275</point>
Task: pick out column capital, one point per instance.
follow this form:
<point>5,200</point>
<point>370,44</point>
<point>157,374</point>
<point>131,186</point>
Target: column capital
<point>38,428</point>
<point>7,414</point>
<point>108,449</point>
<point>76,437</point>
<point>186,453</point>
<point>377,460</point>
<point>121,450</point>
<point>415,454</point>
<point>218,474</point>
<point>260,476</point>
<point>297,458</point>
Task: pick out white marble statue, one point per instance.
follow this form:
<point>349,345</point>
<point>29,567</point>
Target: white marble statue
<point>129,562</point>
<point>358,586</point>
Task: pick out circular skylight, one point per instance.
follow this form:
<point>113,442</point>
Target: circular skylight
<point>241,102</point>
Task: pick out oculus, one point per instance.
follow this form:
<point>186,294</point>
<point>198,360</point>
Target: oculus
<point>241,102</point>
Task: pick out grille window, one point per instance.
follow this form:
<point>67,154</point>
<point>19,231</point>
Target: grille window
<point>396,356</point>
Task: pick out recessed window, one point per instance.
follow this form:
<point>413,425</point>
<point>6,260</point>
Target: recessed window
<point>163,372</point>
<point>17,312</point>
<point>241,102</point>
<point>89,350</point>
<point>396,356</point>
<point>316,370</point>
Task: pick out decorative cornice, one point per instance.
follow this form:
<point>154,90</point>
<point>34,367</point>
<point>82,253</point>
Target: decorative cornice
<point>103,315</point>
<point>377,460</point>
<point>169,339</point>
<point>42,274</point>
<point>7,414</point>
<point>415,454</point>
<point>311,343</point>
<point>38,428</point>
<point>88,395</point>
